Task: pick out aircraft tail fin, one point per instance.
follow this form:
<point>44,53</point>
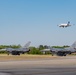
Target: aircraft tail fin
<point>27,44</point>
<point>73,45</point>
<point>68,22</point>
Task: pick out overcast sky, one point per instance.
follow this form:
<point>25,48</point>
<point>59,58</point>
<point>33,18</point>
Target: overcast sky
<point>36,21</point>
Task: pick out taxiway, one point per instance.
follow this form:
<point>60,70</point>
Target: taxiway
<point>46,66</point>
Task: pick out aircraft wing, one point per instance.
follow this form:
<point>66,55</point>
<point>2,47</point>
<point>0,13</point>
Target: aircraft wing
<point>57,49</point>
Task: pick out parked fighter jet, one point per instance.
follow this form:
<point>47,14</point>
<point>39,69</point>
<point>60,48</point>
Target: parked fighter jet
<point>65,25</point>
<point>18,51</point>
<point>63,51</point>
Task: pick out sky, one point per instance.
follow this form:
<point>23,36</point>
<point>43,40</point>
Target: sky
<point>36,21</point>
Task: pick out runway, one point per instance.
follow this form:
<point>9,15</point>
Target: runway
<point>46,66</point>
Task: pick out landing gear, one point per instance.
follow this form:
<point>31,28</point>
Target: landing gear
<point>61,54</point>
<point>15,53</point>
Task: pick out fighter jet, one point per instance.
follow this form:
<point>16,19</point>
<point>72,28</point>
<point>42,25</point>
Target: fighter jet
<point>63,51</point>
<point>65,25</point>
<point>18,51</point>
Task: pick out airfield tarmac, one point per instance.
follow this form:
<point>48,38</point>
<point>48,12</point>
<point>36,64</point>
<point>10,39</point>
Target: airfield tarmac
<point>37,65</point>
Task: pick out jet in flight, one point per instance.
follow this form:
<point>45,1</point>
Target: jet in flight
<point>61,51</point>
<point>65,25</point>
<point>18,51</point>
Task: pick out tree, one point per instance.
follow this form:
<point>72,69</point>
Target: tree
<point>41,47</point>
<point>34,50</point>
<point>46,47</point>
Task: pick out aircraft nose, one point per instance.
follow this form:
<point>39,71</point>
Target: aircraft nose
<point>3,49</point>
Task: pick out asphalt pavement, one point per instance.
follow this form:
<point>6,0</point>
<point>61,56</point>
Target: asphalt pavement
<point>56,66</point>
